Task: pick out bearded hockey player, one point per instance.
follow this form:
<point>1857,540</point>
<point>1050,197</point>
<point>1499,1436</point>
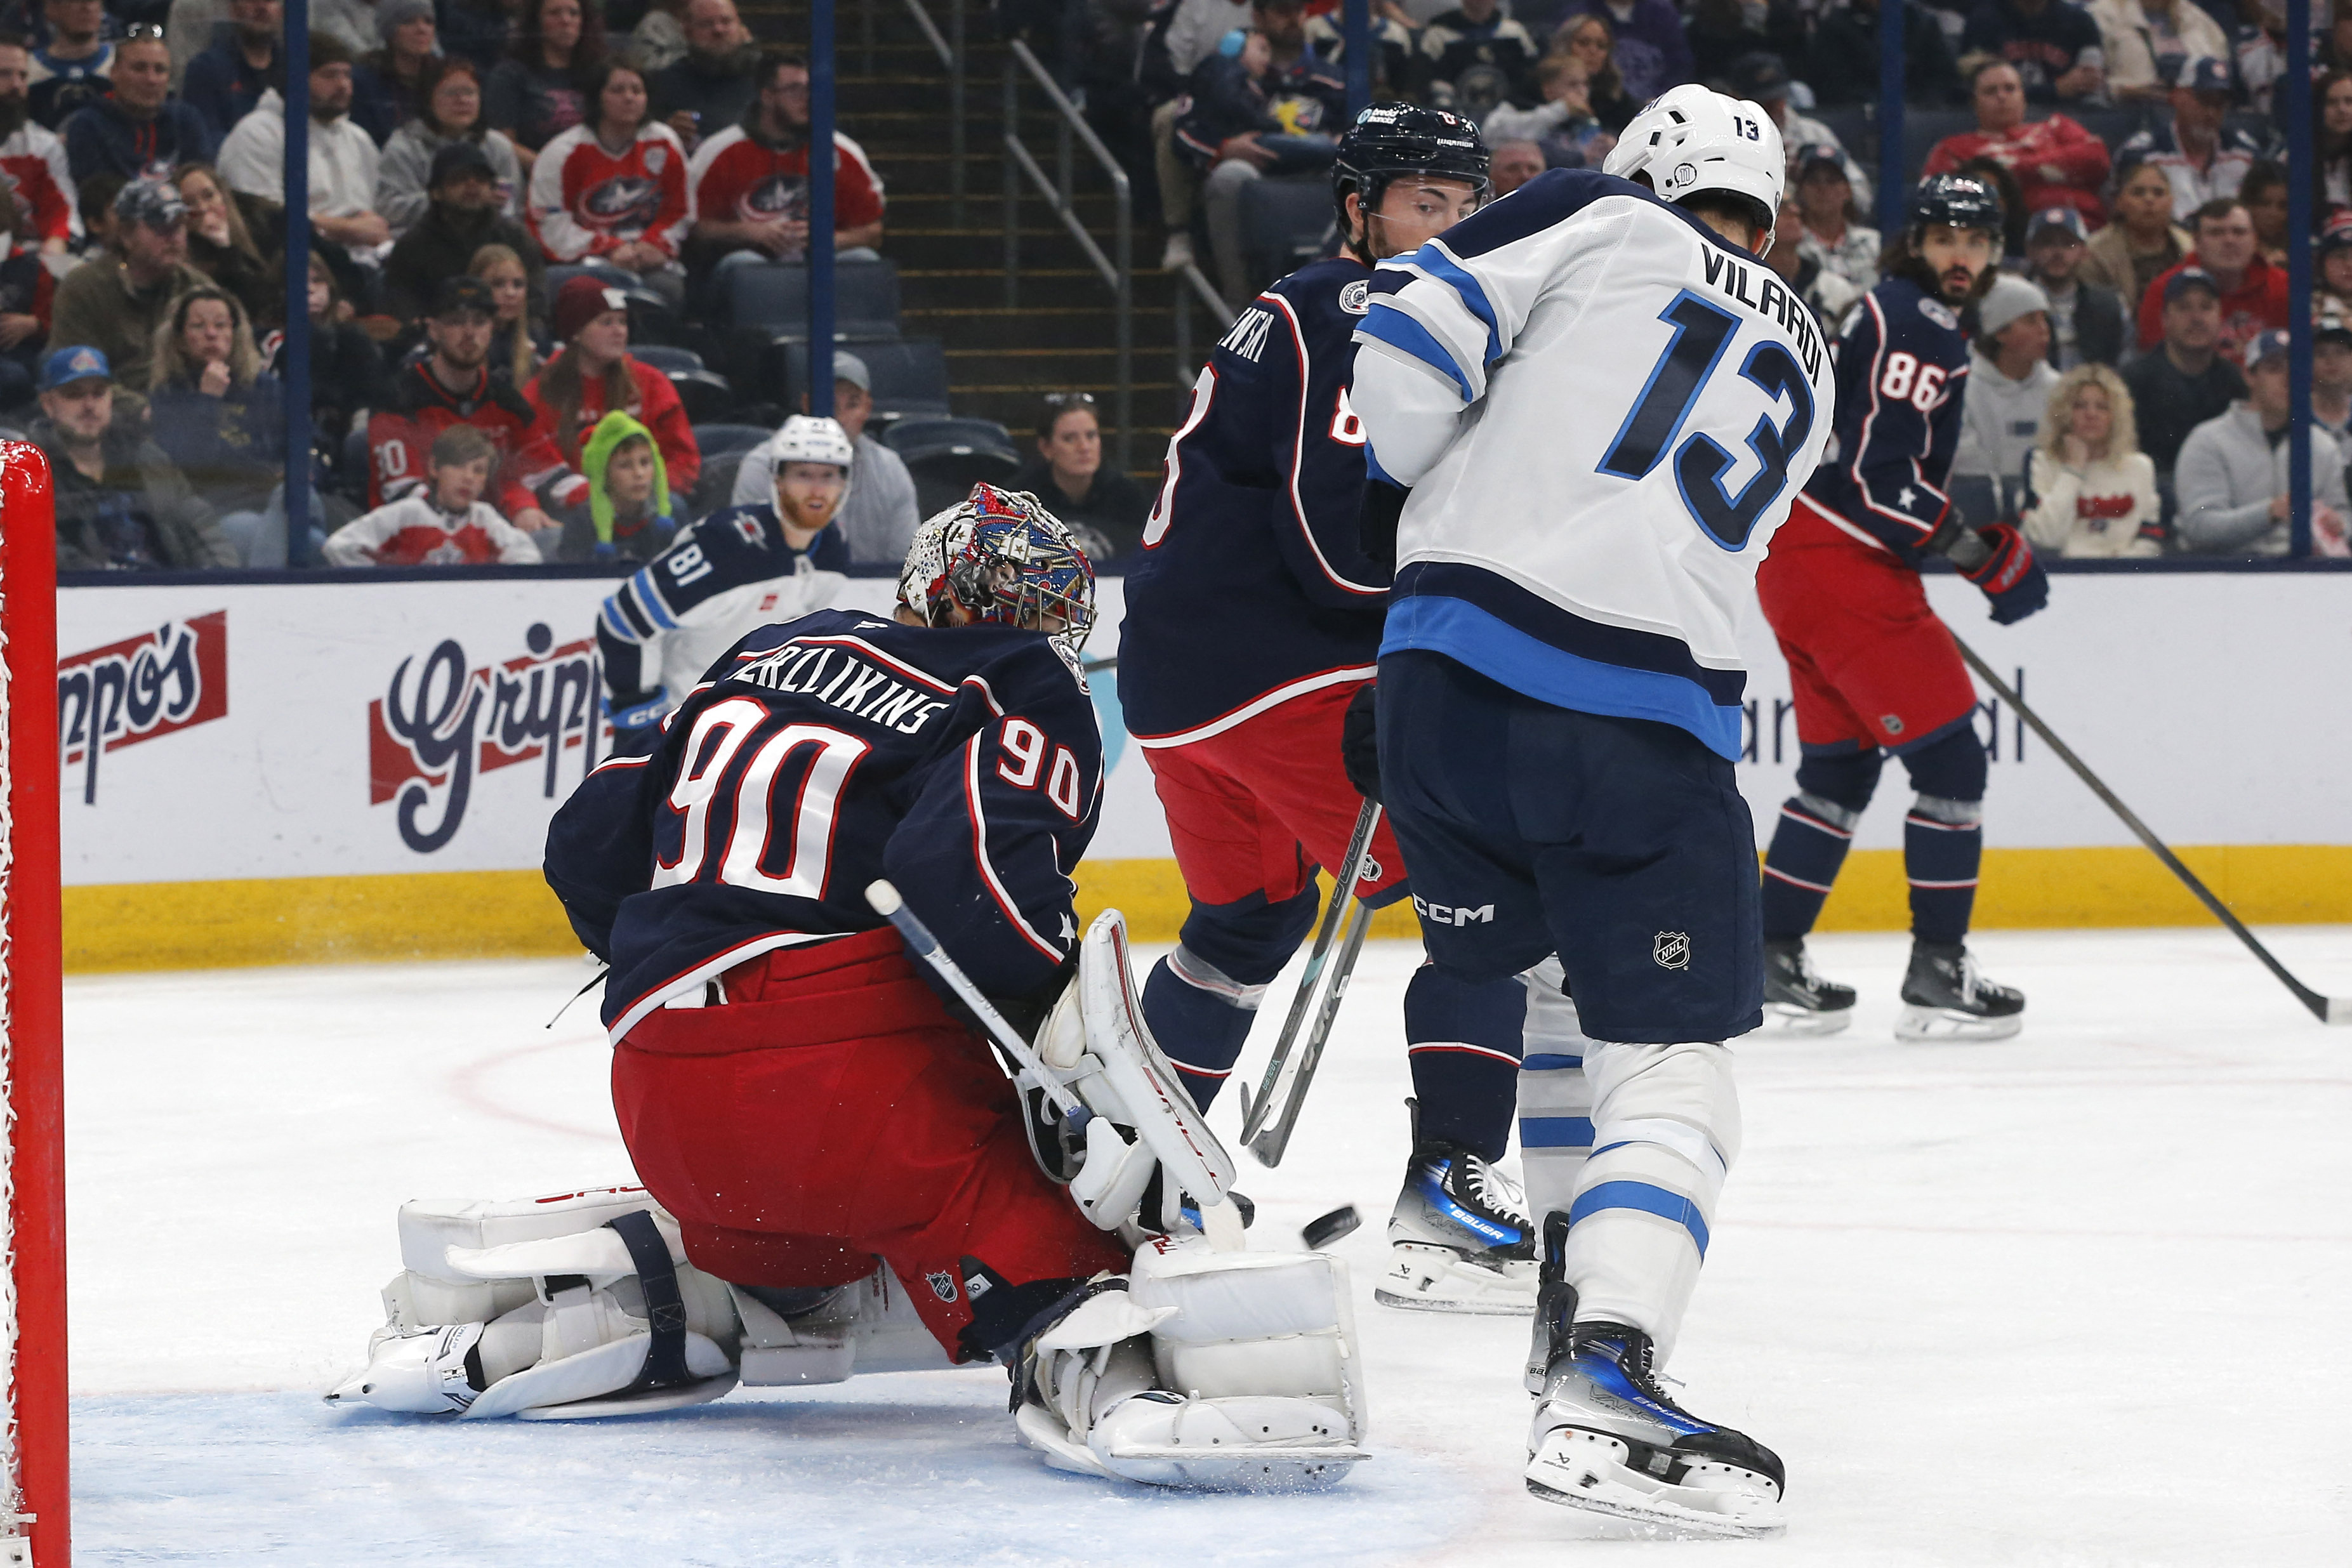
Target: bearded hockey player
<point>813,1125</point>
<point>734,571</point>
<point>1874,669</point>
<point>1253,617</point>
<point>1601,404</point>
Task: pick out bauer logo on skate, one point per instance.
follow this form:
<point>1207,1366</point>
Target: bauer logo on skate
<point>142,688</point>
<point>439,725</point>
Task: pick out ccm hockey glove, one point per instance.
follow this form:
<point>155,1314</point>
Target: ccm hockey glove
<point>2009,575</point>
<point>1360,743</point>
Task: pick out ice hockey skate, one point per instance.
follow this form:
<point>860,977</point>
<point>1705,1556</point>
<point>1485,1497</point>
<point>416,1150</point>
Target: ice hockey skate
<point>1797,1001</point>
<point>1943,997</point>
<point>1606,1438</point>
<point>1460,1239</point>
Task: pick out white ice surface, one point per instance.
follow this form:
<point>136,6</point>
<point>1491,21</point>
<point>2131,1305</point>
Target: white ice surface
<point>2081,1298</point>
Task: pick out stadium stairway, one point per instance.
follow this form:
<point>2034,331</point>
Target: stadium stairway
<point>1061,336</point>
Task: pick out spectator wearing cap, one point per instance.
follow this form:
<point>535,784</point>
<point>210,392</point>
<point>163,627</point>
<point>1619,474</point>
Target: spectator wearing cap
<point>120,505</point>
<point>2254,292</point>
<point>2054,46</point>
<point>1651,52</point>
<point>749,183</point>
<point>2200,154</point>
<point>591,375</point>
<point>2232,478</point>
<point>462,214</point>
<point>1477,36</point>
<point>2331,378</point>
<point>719,80</point>
<point>450,110</point>
<point>114,301</point>
<point>139,128</point>
<point>343,162</point>
<point>225,83</point>
<point>71,66</point>
<point>1765,79</point>
<point>452,385</point>
<point>2151,44</point>
<point>1067,474</point>
<point>2055,161</point>
<point>2188,380</point>
<point>1843,66</point>
<point>2143,242</point>
<point>2090,490</point>
<point>387,84</point>
<point>2086,323</point>
<point>879,515</point>
<point>2009,379</point>
<point>1833,233</point>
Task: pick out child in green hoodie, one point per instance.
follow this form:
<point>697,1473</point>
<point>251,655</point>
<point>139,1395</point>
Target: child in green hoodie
<point>631,514</point>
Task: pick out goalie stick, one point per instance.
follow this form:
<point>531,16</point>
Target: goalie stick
<point>1268,1143</point>
<point>2327,1010</point>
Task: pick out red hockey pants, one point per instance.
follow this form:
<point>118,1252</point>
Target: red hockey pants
<point>834,1112</point>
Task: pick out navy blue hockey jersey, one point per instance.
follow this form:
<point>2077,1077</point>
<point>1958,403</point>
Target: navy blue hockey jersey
<point>1901,370</point>
<point>965,765</point>
<point>717,579</point>
<point>1251,586</point>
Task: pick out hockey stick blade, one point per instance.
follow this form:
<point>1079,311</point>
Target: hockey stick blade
<point>887,902</point>
<point>2327,1010</point>
<point>1255,1112</point>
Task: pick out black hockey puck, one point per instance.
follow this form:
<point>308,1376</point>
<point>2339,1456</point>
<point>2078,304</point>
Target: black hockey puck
<point>1321,1232</point>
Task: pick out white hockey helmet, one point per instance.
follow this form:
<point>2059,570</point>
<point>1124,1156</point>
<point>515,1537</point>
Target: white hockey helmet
<point>807,440</point>
<point>1691,139</point>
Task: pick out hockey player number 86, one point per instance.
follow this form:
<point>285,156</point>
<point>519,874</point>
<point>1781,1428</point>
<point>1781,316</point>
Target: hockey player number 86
<point>719,736</point>
<point>1702,331</point>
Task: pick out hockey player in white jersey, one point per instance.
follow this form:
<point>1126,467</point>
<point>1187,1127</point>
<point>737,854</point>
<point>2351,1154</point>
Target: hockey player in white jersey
<point>1595,406</point>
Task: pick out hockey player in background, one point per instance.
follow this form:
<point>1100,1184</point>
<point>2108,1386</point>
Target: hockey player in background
<point>736,569</point>
<point>1873,670</point>
<point>1252,616</point>
<point>1589,407</point>
<point>811,1120</point>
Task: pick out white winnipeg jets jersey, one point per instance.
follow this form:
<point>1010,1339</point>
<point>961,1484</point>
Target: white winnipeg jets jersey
<point>1603,411</point>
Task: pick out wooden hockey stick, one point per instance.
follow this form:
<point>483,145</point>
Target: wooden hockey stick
<point>2327,1010</point>
<point>1255,1113</point>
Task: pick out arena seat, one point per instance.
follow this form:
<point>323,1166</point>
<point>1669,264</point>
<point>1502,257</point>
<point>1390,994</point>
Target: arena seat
<point>1285,224</point>
<point>910,374</point>
<point>708,395</point>
<point>948,456</point>
<point>723,449</point>
<point>773,298</point>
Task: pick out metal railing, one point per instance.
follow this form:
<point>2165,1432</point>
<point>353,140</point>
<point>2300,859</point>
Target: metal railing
<point>1190,283</point>
<point>951,51</point>
<point>1116,270</point>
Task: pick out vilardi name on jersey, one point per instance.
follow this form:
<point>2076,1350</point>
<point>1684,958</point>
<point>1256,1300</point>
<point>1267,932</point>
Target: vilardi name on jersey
<point>964,764</point>
<point>1605,411</point>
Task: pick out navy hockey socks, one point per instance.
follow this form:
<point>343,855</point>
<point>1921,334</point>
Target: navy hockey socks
<point>1809,846</point>
<point>1464,1038</point>
<point>1200,1019</point>
<point>1943,834</point>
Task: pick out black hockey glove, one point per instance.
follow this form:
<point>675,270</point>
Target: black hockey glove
<point>1360,743</point>
<point>1376,522</point>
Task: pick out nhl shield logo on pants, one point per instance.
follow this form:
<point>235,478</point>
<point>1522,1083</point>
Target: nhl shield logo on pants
<point>942,1284</point>
<point>1671,949</point>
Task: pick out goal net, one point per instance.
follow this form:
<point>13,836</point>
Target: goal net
<point>33,1497</point>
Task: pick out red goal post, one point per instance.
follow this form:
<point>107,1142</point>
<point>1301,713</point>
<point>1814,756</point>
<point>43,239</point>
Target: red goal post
<point>33,1487</point>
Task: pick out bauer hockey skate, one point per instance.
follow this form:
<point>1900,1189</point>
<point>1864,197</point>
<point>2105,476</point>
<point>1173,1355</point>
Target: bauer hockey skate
<point>1797,997</point>
<point>1943,997</point>
<point>1607,1439</point>
<point>1460,1237</point>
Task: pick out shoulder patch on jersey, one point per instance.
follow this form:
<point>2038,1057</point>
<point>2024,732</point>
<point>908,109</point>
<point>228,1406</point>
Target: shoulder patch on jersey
<point>1935,311</point>
<point>1356,297</point>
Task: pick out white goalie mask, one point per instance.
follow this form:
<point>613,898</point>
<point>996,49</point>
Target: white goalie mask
<point>1693,139</point>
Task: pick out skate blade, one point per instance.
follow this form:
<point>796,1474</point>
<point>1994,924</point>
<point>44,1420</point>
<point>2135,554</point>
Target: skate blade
<point>1916,1024</point>
<point>1786,1018</point>
<point>1579,1475</point>
<point>1433,1279</point>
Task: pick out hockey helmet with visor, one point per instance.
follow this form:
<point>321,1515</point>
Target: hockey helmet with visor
<point>1956,201</point>
<point>1389,139</point>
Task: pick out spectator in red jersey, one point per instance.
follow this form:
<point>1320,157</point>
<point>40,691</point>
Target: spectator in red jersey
<point>453,385</point>
<point>35,158</point>
<point>2254,292</point>
<point>749,182</point>
<point>591,375</point>
<point>446,523</point>
<point>2056,162</point>
<point>614,190</point>
<point>540,89</point>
